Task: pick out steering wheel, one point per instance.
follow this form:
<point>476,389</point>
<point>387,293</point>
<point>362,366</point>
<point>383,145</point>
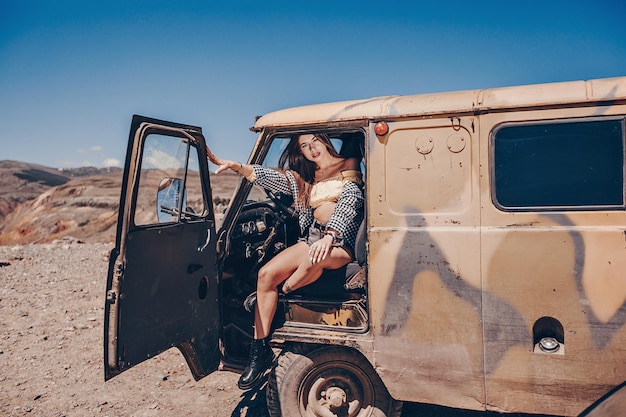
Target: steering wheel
<point>283,201</point>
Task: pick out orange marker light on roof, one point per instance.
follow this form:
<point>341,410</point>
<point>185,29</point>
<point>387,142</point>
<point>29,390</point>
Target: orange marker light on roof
<point>381,128</point>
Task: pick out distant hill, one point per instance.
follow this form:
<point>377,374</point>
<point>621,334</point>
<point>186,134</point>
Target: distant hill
<point>20,181</point>
<point>39,204</point>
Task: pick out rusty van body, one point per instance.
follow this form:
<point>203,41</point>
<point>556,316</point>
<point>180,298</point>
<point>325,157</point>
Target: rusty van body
<point>490,270</point>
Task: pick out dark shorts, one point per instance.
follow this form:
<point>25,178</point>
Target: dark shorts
<point>317,231</point>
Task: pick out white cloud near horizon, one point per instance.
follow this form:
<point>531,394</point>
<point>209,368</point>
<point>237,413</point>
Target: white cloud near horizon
<point>111,163</point>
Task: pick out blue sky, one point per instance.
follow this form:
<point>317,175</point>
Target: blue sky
<point>72,73</point>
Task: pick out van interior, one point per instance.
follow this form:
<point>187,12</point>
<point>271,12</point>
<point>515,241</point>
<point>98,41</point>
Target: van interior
<point>266,225</point>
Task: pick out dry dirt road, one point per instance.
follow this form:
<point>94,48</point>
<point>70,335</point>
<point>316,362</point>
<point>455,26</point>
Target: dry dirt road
<point>51,318</point>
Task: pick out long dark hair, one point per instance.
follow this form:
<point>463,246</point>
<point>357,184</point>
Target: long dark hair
<point>293,159</point>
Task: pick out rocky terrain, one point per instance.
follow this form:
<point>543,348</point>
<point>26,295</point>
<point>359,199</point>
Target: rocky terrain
<point>51,350</point>
<point>39,204</point>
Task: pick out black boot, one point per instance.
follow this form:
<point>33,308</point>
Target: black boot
<point>261,358</point>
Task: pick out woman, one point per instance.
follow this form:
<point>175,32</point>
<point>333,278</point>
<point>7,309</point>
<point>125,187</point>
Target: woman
<point>326,189</point>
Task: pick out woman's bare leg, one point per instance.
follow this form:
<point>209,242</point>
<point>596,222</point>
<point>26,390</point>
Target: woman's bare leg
<point>307,272</point>
<point>270,276</point>
<point>294,265</point>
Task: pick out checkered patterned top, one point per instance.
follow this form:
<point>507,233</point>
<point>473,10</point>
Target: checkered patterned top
<point>346,217</point>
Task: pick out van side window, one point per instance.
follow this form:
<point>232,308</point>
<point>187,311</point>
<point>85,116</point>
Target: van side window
<point>561,165</point>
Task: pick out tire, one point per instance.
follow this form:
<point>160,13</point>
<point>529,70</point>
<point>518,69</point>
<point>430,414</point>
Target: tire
<point>327,381</point>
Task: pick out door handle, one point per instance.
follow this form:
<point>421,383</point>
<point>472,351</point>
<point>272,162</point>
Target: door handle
<point>206,243</point>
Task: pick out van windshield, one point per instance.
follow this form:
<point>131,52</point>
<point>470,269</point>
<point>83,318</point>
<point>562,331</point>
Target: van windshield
<point>346,144</point>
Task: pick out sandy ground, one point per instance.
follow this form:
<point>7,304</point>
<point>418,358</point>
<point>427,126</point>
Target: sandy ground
<point>51,317</point>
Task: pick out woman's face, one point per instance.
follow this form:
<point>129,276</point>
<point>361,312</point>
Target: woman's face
<point>312,147</point>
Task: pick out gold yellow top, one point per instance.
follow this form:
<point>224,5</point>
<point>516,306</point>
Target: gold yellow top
<point>329,190</point>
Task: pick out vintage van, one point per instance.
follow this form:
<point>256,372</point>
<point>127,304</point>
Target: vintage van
<point>490,270</point>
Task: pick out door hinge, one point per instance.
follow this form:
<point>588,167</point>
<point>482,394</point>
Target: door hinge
<point>111,297</point>
<point>119,268</point>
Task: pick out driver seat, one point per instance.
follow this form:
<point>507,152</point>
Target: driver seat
<point>337,301</point>
<point>345,283</point>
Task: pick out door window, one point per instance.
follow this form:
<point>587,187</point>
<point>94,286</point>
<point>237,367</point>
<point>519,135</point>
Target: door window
<point>167,192</point>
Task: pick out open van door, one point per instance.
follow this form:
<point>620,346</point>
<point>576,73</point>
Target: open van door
<point>162,285</point>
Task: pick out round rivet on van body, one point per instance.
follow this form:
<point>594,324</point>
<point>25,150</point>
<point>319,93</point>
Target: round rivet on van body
<point>456,142</point>
<point>424,144</point>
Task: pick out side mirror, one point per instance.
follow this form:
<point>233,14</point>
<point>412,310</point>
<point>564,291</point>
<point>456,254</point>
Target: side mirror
<point>168,199</point>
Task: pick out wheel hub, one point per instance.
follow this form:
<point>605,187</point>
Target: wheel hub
<point>335,396</point>
<point>330,401</point>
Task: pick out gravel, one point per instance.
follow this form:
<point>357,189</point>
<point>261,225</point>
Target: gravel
<point>51,360</point>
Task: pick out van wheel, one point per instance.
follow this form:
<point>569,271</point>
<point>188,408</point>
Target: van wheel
<point>327,381</point>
